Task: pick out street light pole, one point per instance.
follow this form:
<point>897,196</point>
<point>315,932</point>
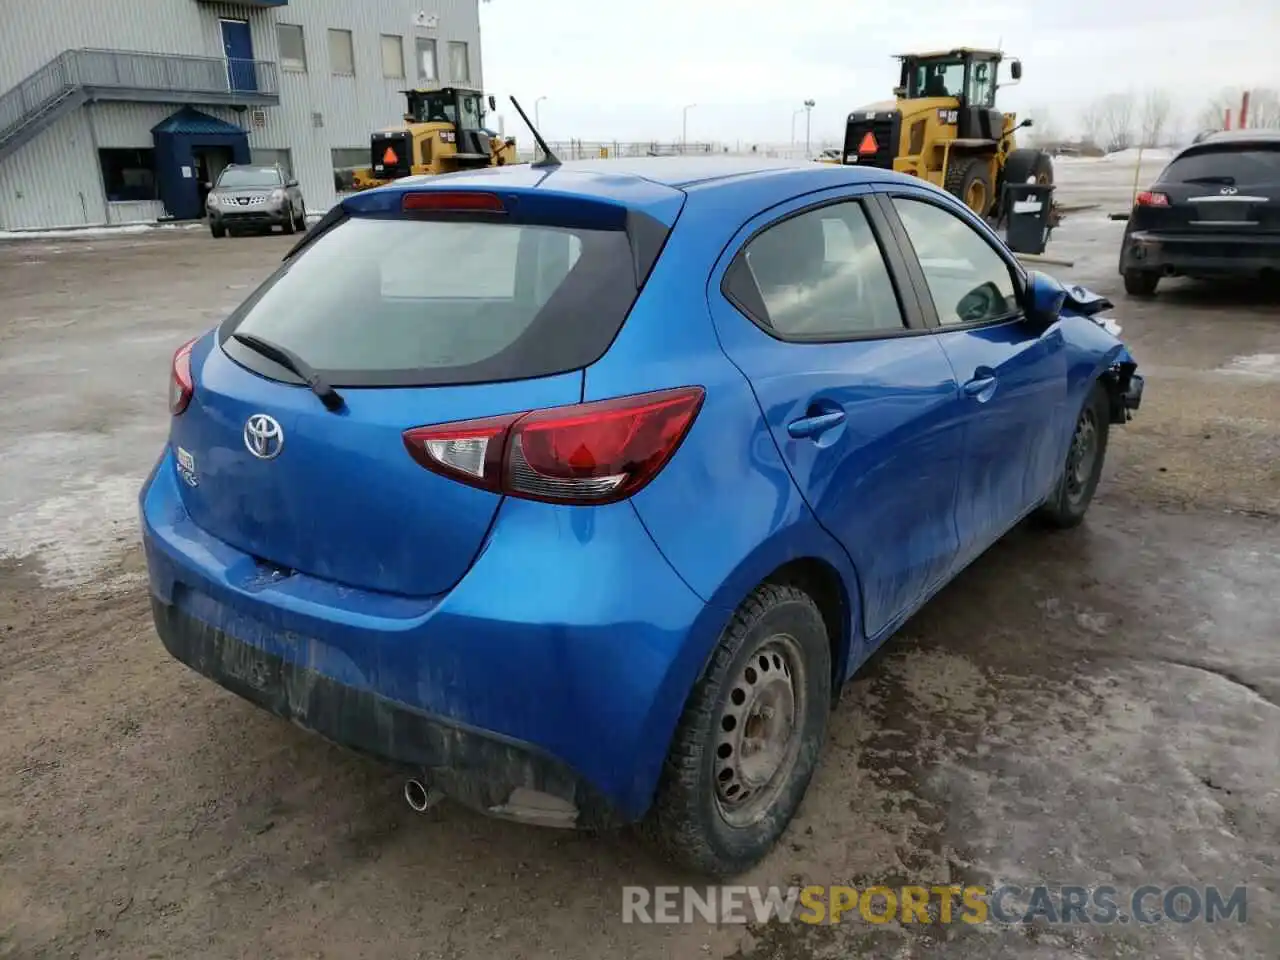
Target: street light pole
<point>684,128</point>
<point>808,116</point>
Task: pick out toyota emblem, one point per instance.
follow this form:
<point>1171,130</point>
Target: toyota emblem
<point>263,436</point>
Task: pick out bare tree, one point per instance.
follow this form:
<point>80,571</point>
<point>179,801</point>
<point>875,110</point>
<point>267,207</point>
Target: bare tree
<point>1214,113</point>
<point>1117,121</point>
<point>1091,123</point>
<point>1156,109</point>
<point>1264,108</point>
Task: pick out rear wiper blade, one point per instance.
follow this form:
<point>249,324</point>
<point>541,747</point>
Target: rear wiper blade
<point>1225,180</point>
<point>330,397</point>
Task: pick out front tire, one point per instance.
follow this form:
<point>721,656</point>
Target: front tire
<point>218,230</point>
<point>1141,283</point>
<point>1078,481</point>
<point>969,178</point>
<point>749,739</point>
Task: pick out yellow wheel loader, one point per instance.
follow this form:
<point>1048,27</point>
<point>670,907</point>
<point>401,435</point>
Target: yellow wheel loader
<point>944,128</point>
<point>444,130</point>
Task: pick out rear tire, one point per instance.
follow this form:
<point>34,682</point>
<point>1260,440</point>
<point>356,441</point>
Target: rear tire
<point>969,178</point>
<point>749,739</point>
<point>1141,283</point>
<point>1028,165</point>
<point>1078,481</point>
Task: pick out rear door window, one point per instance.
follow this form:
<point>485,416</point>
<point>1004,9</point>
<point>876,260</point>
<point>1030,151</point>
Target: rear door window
<point>1226,165</point>
<point>818,275</point>
<point>421,302</point>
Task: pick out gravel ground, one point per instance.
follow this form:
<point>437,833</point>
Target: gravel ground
<point>1100,706</point>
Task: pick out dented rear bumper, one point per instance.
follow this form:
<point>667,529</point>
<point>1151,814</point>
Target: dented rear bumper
<point>476,767</point>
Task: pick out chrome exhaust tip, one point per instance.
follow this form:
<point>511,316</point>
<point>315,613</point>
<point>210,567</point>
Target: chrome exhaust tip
<point>420,797</point>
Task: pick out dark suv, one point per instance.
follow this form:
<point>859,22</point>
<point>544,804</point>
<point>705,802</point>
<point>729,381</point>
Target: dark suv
<point>1213,212</point>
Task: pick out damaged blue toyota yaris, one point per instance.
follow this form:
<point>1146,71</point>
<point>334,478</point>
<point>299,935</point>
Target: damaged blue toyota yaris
<point>579,490</point>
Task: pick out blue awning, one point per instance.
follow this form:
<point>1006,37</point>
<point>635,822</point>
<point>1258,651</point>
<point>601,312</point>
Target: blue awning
<point>191,122</point>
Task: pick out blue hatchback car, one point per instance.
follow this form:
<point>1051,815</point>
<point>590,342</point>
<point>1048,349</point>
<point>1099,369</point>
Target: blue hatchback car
<point>579,491</point>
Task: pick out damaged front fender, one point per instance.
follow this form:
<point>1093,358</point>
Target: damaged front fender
<point>1124,383</point>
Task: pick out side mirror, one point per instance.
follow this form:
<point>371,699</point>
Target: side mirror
<point>900,92</point>
<point>493,104</point>
<point>1045,297</point>
<point>291,183</point>
<point>1015,69</point>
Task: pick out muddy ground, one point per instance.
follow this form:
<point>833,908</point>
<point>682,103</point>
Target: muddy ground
<point>1100,706</point>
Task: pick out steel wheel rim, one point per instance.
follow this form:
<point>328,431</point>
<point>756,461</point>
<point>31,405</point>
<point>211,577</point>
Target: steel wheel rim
<point>757,738</point>
<point>1084,451</point>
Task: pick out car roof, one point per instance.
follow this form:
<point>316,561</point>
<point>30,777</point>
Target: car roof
<point>650,183</point>
<point>1235,137</point>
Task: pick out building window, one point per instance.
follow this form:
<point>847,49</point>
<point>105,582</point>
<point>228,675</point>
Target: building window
<point>426,49</point>
<point>459,62</point>
<point>342,58</point>
<point>293,51</point>
<point>128,174</point>
<point>392,56</point>
<point>346,161</point>
<point>279,158</point>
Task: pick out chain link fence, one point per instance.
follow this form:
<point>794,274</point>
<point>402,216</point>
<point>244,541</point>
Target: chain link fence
<point>605,149</point>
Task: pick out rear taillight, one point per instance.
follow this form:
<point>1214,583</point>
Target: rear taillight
<point>1152,198</point>
<point>180,385</point>
<point>588,453</point>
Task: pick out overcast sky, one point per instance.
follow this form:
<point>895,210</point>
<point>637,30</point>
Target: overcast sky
<point>625,68</point>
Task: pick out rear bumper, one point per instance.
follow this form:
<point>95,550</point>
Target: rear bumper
<point>480,768</point>
<point>1219,254</point>
<point>559,664</point>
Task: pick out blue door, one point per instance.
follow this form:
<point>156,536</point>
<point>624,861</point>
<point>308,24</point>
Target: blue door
<point>1012,376</point>
<point>237,44</point>
<point>859,397</point>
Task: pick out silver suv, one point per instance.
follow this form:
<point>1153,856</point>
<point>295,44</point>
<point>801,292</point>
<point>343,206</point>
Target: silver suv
<point>253,197</point>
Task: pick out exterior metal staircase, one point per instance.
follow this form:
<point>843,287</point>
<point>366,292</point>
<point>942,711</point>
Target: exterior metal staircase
<point>76,77</point>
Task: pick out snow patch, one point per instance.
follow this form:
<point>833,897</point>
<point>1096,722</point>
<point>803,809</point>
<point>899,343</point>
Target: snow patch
<point>1263,365</point>
<point>73,535</point>
<point>73,233</point>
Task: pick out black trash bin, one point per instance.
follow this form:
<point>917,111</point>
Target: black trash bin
<point>1027,207</point>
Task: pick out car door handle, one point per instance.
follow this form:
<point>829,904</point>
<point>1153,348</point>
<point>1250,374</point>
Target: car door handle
<point>978,385</point>
<point>812,426</point>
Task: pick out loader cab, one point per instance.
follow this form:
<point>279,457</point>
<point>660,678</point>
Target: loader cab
<point>970,77</point>
<point>459,106</point>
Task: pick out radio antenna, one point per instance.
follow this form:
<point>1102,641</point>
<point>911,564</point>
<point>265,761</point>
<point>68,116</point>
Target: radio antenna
<point>549,159</point>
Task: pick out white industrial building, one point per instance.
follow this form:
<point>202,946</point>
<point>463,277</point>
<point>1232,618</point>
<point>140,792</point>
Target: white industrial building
<point>117,111</point>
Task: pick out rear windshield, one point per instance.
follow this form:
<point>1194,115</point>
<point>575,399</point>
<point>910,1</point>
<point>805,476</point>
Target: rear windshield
<point>376,302</point>
<point>268,177</point>
<point>1255,164</point>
